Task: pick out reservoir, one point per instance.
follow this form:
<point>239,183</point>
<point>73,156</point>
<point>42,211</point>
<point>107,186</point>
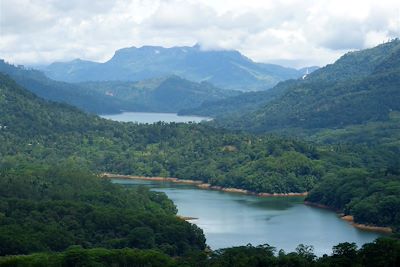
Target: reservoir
<point>150,117</point>
<point>230,219</point>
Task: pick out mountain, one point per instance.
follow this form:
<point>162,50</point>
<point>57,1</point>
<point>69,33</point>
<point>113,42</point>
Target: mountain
<point>170,94</point>
<point>36,82</point>
<point>358,88</point>
<point>233,106</point>
<point>225,69</point>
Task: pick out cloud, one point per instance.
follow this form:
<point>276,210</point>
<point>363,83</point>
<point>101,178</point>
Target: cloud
<point>291,32</point>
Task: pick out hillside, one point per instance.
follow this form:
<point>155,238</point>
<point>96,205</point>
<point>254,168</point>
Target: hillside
<point>170,94</point>
<point>237,105</point>
<point>360,87</point>
<point>36,82</point>
<point>49,133</point>
<point>225,69</point>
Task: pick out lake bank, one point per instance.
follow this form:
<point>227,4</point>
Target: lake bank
<point>201,185</point>
<point>366,227</point>
<point>206,186</point>
<point>237,219</point>
<point>350,219</point>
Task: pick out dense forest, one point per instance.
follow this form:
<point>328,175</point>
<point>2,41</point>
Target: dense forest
<point>383,252</point>
<point>49,133</point>
<point>168,94</point>
<point>360,87</point>
<point>52,208</point>
<point>34,130</point>
<point>87,100</point>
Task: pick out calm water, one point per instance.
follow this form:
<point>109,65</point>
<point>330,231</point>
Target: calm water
<point>229,219</point>
<point>150,117</point>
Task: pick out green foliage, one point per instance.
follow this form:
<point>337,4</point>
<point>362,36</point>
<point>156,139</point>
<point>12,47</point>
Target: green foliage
<point>36,82</point>
<point>169,94</point>
<point>358,88</point>
<point>52,209</point>
<point>49,133</point>
<point>373,198</point>
<point>383,252</point>
<point>77,256</point>
<point>234,106</point>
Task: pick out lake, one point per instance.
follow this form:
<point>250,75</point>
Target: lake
<point>230,219</point>
<point>152,117</point>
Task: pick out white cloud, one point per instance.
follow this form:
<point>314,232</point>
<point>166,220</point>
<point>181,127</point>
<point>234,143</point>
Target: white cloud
<point>292,32</point>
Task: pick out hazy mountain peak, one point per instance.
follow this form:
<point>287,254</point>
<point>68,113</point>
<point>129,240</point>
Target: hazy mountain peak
<point>228,69</point>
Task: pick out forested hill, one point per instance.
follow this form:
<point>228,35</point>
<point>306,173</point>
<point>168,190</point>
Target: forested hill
<point>169,94</point>
<point>50,200</point>
<point>34,131</point>
<point>224,69</point>
<point>36,82</point>
<point>50,133</point>
<point>360,87</point>
<point>235,106</point>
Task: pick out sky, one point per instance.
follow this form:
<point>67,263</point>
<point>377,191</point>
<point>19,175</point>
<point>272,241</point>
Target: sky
<point>293,33</point>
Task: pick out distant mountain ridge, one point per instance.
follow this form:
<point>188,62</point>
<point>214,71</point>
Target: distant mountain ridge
<point>227,69</point>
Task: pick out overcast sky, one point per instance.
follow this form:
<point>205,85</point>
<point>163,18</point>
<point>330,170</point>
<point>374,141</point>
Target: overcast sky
<point>289,32</point>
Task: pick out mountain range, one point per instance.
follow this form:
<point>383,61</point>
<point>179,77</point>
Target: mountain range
<point>227,69</point>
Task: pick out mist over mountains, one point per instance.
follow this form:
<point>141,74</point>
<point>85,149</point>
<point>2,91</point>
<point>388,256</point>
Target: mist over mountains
<point>227,69</point>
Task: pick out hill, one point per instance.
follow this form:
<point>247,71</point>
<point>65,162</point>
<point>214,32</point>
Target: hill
<point>48,133</point>
<point>170,94</point>
<point>235,106</point>
<point>358,88</point>
<point>225,69</point>
<point>36,82</point>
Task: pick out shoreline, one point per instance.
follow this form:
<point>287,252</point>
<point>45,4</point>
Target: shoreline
<point>186,218</point>
<point>350,219</point>
<point>202,185</point>
<point>206,186</point>
<point>366,227</point>
<point>321,206</point>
